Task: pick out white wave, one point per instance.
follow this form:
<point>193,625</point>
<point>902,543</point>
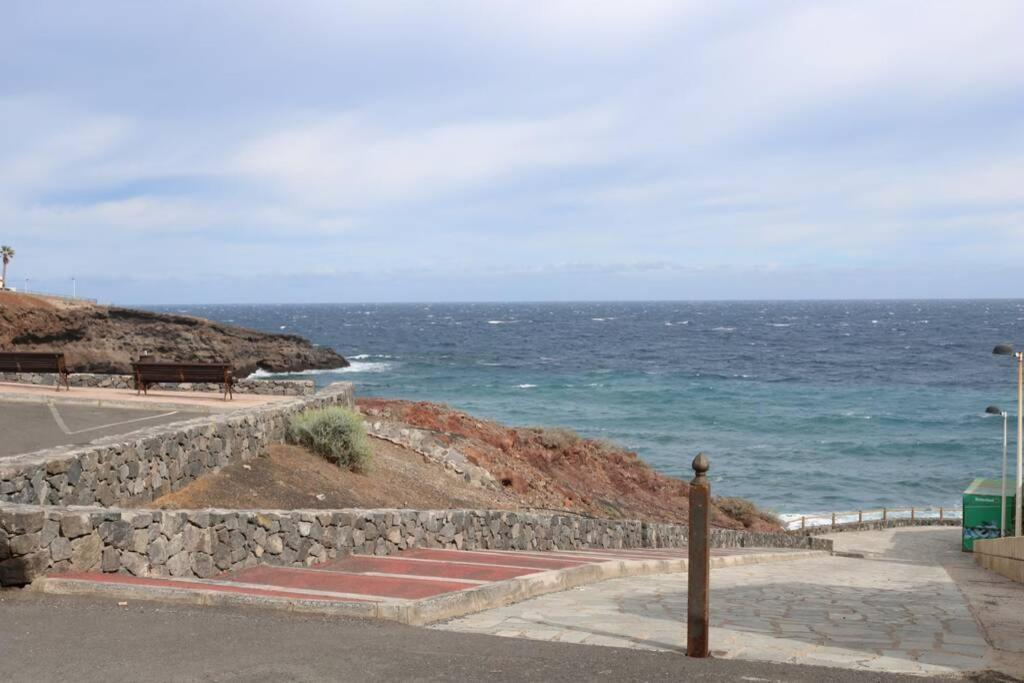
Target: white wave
<point>361,356</point>
<point>526,386</point>
<point>501,322</point>
<point>354,367</point>
<point>792,520</point>
<point>723,329</point>
<point>779,324</point>
<point>367,366</point>
<point>601,320</point>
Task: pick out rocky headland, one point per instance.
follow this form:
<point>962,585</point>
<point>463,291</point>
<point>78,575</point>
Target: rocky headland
<point>106,339</point>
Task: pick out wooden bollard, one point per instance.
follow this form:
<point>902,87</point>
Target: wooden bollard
<point>833,520</point>
<point>885,514</point>
<point>699,570</point>
<point>803,523</point>
<point>940,514</point>
<point>860,516</point>
<point>912,516</point>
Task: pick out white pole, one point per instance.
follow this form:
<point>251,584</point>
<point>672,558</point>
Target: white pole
<point>1002,500</point>
<point>1020,442</point>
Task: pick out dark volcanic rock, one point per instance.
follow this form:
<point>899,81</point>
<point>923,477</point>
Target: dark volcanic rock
<point>107,339</point>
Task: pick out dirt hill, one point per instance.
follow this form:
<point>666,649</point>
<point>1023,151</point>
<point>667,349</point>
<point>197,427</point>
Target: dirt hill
<point>107,338</point>
<point>558,469</point>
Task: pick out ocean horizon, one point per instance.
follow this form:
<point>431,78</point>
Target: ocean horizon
<point>804,407</point>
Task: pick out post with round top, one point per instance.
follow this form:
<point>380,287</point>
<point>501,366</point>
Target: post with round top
<point>699,569</point>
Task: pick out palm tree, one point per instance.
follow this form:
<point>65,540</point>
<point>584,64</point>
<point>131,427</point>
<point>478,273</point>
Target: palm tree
<point>7,253</point>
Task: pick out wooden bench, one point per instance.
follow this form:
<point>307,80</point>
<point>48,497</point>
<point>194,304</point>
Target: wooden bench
<point>148,373</point>
<point>36,361</point>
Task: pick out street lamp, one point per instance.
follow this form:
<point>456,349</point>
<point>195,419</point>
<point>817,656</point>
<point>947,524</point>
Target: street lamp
<point>996,410</point>
<point>1007,350</point>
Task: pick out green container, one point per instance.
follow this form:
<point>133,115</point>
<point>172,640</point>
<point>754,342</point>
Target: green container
<point>981,511</point>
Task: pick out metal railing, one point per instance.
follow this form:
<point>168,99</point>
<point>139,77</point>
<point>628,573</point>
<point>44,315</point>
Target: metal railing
<point>50,295</point>
<point>884,514</point>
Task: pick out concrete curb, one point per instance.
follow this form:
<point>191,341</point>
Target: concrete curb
<point>415,612</point>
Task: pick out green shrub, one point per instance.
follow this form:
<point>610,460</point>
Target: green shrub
<point>744,511</point>
<point>336,434</point>
<point>557,438</point>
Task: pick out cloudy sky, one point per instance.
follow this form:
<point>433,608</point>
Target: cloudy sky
<point>389,151</point>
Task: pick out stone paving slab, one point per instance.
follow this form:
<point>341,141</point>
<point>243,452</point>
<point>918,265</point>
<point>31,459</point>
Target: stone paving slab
<point>418,586</point>
<point>898,610</point>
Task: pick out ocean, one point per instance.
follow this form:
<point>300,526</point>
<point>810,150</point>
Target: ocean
<point>802,407</point>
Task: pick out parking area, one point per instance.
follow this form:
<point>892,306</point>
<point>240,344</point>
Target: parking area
<point>32,426</point>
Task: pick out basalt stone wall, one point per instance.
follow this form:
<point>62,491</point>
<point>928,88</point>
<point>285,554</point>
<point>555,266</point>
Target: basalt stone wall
<point>35,540</point>
<point>148,463</point>
<point>265,387</point>
<point>58,510</point>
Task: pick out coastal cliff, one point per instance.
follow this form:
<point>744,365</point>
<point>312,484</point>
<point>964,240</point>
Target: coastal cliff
<point>106,339</point>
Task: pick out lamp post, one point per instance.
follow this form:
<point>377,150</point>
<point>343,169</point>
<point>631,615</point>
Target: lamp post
<point>996,410</point>
<point>1007,350</point>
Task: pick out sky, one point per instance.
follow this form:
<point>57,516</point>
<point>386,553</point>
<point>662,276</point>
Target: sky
<point>220,152</point>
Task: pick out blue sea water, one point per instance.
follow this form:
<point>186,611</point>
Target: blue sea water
<point>802,406</point>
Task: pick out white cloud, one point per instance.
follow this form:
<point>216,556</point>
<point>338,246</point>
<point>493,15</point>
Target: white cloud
<point>345,161</point>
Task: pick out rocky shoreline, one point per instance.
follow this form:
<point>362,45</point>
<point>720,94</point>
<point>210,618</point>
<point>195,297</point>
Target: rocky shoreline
<point>106,339</point>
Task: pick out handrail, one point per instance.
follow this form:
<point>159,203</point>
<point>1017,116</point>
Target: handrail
<point>833,519</point>
<point>49,295</point>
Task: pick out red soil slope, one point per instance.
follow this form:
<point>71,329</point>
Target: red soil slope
<point>559,470</point>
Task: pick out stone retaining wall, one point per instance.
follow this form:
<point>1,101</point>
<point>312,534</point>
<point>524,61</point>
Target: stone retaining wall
<point>437,447</point>
<point>149,463</point>
<point>57,510</point>
<point>264,387</point>
<point>35,540</point>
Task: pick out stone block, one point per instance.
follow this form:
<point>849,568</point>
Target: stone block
<point>157,552</point>
<point>25,544</point>
<point>136,564</point>
<point>117,533</point>
<point>85,552</point>
<point>17,571</point>
<point>22,521</point>
<point>140,541</point>
<point>60,549</point>
<point>111,560</point>
<point>202,565</point>
<point>178,565</point>
<point>274,544</point>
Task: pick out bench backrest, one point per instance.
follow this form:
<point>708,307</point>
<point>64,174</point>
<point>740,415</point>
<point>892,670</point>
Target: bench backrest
<point>182,372</point>
<point>31,361</point>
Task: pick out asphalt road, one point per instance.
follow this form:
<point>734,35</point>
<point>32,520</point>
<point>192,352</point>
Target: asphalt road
<point>60,638</point>
<point>28,427</point>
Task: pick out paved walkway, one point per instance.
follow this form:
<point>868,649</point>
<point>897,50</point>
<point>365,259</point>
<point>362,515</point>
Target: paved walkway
<point>202,401</point>
<point>896,609</point>
<point>417,586</point>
